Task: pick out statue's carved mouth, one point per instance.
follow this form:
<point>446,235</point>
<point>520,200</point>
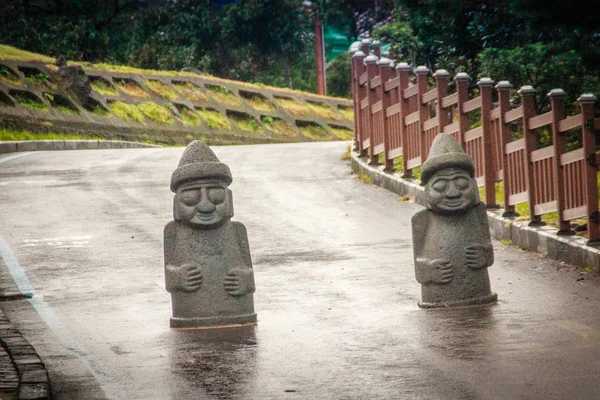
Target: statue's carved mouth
<point>453,203</point>
<point>205,216</point>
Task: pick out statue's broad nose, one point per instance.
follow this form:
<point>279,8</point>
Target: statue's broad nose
<point>205,205</point>
<point>453,191</point>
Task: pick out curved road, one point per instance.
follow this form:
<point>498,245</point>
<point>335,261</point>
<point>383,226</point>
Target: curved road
<point>336,295</point>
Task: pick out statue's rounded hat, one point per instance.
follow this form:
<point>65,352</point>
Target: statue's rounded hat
<point>199,162</point>
<point>445,153</point>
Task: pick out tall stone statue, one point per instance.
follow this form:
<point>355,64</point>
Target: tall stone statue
<point>208,269</point>
<point>451,237</point>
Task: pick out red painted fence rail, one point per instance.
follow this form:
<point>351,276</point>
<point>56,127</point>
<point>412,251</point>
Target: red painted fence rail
<point>398,112</point>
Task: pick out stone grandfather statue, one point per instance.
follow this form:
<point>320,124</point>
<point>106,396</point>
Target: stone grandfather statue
<point>451,237</point>
<point>208,269</point>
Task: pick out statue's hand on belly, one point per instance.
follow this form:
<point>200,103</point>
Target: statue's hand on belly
<point>239,282</point>
<point>185,278</point>
<point>437,271</point>
<point>479,256</point>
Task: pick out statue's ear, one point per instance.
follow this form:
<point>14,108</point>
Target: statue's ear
<point>176,208</point>
<point>230,195</point>
<point>427,203</point>
<point>476,189</point>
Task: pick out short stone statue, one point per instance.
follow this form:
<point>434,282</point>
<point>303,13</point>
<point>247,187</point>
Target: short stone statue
<point>208,269</point>
<point>451,237</point>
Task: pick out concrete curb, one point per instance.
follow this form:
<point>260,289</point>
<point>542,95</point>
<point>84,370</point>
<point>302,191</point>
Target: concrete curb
<point>544,240</point>
<point>52,145</point>
<point>23,376</point>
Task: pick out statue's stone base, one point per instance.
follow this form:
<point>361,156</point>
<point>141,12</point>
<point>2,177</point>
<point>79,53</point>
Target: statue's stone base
<point>213,322</point>
<point>476,301</point>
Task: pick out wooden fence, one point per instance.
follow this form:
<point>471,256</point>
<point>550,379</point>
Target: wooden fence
<point>398,113</point>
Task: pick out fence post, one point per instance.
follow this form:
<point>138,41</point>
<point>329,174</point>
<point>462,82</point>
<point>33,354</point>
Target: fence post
<point>372,72</point>
<point>365,46</point>
<point>385,69</point>
<point>358,69</point>
<point>527,94</point>
<point>504,88</point>
<point>588,137</point>
<point>441,86</point>
<point>377,48</point>
<point>462,88</point>
<point>422,74</point>
<point>557,102</point>
<point>403,70</point>
<point>485,87</point>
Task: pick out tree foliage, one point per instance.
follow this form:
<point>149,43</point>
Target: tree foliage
<point>544,43</point>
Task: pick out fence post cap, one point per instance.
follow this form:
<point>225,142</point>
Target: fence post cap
<point>371,59</point>
<point>385,62</point>
<point>461,76</point>
<point>441,73</point>
<point>557,93</point>
<point>354,47</point>
<point>504,85</point>
<point>485,82</point>
<point>587,98</point>
<point>358,54</point>
<point>526,90</point>
<point>366,41</point>
<point>421,69</point>
<point>403,66</point>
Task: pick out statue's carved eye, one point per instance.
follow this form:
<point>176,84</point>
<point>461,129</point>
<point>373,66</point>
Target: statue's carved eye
<point>190,197</point>
<point>216,195</point>
<point>461,183</point>
<point>440,185</point>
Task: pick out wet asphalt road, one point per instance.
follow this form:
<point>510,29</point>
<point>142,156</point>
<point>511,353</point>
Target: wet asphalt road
<point>336,295</point>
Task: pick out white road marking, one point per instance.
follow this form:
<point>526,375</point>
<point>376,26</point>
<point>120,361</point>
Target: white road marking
<point>50,318</point>
<point>59,242</point>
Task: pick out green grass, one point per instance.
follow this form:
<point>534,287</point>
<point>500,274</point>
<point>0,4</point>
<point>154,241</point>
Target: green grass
<point>156,112</point>
<point>131,88</point>
<point>189,117</point>
<point>103,87</point>
<point>347,154</point>
<point>191,91</point>
<point>314,132</point>
<point>6,75</point>
<point>161,89</point>
<point>30,103</point>
<point>279,126</point>
<point>126,111</point>
<point>293,106</point>
<point>347,112</point>
<point>223,95</point>
<point>342,133</point>
<point>260,103</point>
<point>60,106</point>
<point>12,53</point>
<point>214,119</point>
<point>325,111</point>
<point>522,209</point>
<point>246,123</point>
<point>39,79</point>
<point>364,178</point>
<point>99,111</point>
<point>65,109</point>
<point>11,135</point>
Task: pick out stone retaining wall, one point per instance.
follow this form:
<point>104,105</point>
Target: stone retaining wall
<point>51,145</point>
<point>181,107</point>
